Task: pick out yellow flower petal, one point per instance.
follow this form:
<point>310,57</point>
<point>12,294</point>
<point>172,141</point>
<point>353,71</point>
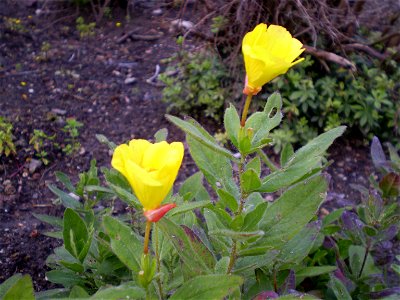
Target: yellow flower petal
<point>268,52</point>
<point>151,169</point>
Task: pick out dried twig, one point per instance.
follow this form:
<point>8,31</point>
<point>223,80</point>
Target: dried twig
<point>329,56</point>
<point>366,49</point>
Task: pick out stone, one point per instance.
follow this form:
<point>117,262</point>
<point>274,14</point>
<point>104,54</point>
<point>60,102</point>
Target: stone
<point>34,164</point>
<point>130,80</point>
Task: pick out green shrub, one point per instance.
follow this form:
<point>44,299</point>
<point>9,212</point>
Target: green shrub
<point>366,101</point>
<point>196,86</point>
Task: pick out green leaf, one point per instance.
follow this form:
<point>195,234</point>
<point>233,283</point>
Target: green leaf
<point>52,294</point>
<point>356,257</point>
<point>263,122</point>
<point>286,153</point>
<point>64,179</point>
<point>237,235</point>
<point>316,147</point>
<point>54,221</point>
<point>208,287</point>
<point>232,124</point>
<point>97,188</point>
<point>188,207</point>
<point>198,133</point>
<point>285,217</point>
<point>253,217</point>
<point>104,140</point>
<point>126,196</point>
<point>67,200</point>
<point>7,284</point>
<point>247,265</point>
<point>301,163</point>
<point>314,271</point>
<point>123,291</point>
<point>78,292</point>
<point>333,216</point>
<point>192,188</point>
<point>216,168</point>
<point>294,251</point>
<point>161,135</point>
<point>76,235</point>
<point>227,200</point>
<point>124,243</point>
<point>390,185</point>
<point>339,289</point>
<point>17,287</point>
<point>193,253</point>
<point>66,278</point>
<point>250,181</point>
<point>254,164</point>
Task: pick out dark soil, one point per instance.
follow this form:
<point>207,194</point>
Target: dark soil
<point>84,78</point>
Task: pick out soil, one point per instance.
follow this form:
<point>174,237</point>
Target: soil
<point>86,78</point>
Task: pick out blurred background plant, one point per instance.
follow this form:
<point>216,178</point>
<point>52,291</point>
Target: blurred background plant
<point>350,76</point>
<point>196,83</point>
<point>7,146</point>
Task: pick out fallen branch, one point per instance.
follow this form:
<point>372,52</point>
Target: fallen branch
<point>366,49</point>
<point>144,37</point>
<point>329,56</point>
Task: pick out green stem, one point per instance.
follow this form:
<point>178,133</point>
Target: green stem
<point>147,238</point>
<point>243,197</point>
<point>267,161</point>
<point>246,110</point>
<point>158,261</point>
<point>365,259</point>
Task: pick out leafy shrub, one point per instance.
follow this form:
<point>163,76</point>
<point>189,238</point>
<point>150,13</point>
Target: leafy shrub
<point>196,87</point>
<point>6,138</point>
<point>367,101</point>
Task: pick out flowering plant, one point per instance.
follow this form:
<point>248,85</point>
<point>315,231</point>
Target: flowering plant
<point>223,240</point>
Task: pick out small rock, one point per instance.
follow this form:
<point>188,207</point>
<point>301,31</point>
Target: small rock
<point>31,91</point>
<point>34,164</point>
<point>57,111</point>
<point>180,24</point>
<point>130,80</point>
<point>116,73</point>
<point>82,151</point>
<point>157,12</point>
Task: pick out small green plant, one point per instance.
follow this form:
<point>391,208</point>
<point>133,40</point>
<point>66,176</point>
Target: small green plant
<point>196,85</point>
<point>44,52</point>
<point>72,130</point>
<point>365,101</point>
<point>7,146</point>
<point>39,140</point>
<point>85,29</point>
<point>14,24</point>
<point>218,23</point>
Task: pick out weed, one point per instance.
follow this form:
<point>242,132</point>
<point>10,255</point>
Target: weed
<point>6,138</point>
<point>72,130</point>
<point>85,29</point>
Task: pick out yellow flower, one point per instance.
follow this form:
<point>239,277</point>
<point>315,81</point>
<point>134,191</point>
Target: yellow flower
<point>151,169</point>
<point>268,52</point>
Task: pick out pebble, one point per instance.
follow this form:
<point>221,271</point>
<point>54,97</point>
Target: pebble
<point>157,12</point>
<point>180,24</point>
<point>82,151</point>
<point>34,164</point>
<point>130,80</point>
<point>58,111</point>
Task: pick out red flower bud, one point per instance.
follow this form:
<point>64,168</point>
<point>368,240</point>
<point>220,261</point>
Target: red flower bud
<point>154,215</point>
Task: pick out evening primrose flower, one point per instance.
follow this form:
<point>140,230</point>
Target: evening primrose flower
<point>151,169</point>
<point>268,52</point>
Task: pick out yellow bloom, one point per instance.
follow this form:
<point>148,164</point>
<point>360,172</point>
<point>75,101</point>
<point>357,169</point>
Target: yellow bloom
<point>151,169</point>
<point>268,52</point>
